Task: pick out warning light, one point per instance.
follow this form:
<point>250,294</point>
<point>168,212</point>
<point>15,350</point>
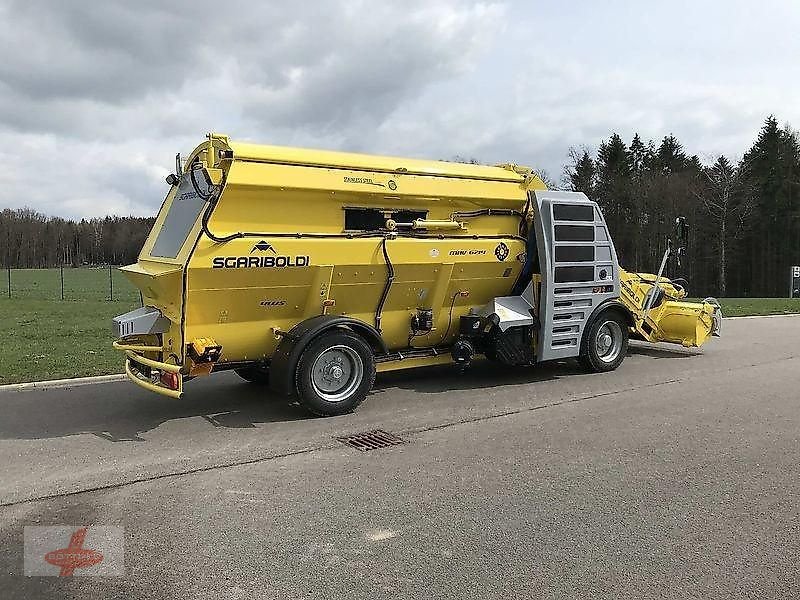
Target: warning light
<point>170,380</point>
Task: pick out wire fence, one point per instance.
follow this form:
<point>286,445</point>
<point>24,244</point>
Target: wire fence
<point>69,284</point>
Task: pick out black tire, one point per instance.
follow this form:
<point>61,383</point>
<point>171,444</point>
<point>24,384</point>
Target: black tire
<point>324,363</point>
<point>610,324</point>
<point>259,375</point>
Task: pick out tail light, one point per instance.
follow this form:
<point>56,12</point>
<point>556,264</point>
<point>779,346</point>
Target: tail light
<point>170,380</point>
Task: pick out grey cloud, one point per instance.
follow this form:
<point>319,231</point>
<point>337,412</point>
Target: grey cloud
<point>364,71</point>
<point>106,51</point>
<point>95,66</point>
<point>96,98</point>
<point>136,79</point>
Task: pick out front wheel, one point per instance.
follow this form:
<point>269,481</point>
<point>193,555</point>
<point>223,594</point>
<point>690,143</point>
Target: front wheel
<point>334,374</point>
<point>606,343</point>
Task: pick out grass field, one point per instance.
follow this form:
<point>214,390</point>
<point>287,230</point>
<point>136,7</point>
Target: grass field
<point>743,307</point>
<point>47,338</point>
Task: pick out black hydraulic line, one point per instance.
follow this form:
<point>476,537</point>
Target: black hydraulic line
<point>211,199</point>
<point>251,234</point>
<point>487,212</point>
<point>450,317</point>
<point>197,191</point>
<point>363,234</point>
<point>386,287</point>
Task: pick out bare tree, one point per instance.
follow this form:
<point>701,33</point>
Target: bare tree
<point>551,183</point>
<point>728,203</point>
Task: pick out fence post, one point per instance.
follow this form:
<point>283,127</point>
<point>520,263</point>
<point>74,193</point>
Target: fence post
<point>110,285</point>
<point>8,256</point>
<point>62,280</point>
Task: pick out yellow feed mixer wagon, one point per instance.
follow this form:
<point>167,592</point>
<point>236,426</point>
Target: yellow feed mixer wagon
<point>309,271</point>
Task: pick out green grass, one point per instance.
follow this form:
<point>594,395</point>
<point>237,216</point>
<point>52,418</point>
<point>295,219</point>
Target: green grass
<point>742,307</point>
<point>47,338</point>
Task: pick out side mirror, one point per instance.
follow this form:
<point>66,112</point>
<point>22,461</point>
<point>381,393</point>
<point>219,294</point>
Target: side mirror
<point>681,231</point>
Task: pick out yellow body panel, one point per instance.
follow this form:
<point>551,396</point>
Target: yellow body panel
<point>242,308</point>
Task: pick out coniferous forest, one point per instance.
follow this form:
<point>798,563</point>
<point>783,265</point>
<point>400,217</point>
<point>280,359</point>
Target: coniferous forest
<point>744,214</point>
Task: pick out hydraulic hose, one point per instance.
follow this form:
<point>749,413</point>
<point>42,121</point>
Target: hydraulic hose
<point>386,287</point>
<point>212,198</point>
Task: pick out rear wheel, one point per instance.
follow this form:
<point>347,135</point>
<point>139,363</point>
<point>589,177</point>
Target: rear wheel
<point>334,374</point>
<point>258,375</point>
<point>606,343</point>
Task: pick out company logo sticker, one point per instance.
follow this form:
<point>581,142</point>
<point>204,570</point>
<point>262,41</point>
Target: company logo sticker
<point>472,252</point>
<point>262,262</point>
<point>501,252</point>
<point>363,180</point>
<point>276,302</point>
<point>263,246</point>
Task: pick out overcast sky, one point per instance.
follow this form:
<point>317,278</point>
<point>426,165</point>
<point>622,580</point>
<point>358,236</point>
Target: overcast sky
<point>97,97</point>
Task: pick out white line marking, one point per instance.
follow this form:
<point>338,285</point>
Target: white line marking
<point>378,535</point>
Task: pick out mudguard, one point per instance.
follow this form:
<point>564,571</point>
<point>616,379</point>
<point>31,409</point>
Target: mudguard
<point>284,361</point>
<point>612,304</point>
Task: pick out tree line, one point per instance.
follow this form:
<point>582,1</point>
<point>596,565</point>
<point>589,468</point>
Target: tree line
<point>31,240</point>
<point>744,214</point>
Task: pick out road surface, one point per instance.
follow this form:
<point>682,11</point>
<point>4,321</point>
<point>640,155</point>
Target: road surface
<point>677,476</point>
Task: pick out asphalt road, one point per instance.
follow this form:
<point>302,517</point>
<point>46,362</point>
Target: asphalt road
<point>677,476</point>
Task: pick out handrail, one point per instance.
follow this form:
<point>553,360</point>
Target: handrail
<point>153,363</point>
<point>136,347</point>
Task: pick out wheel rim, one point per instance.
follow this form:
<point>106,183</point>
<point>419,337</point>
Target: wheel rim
<point>608,341</point>
<point>337,373</point>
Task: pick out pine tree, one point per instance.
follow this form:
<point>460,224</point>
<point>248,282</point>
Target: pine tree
<point>582,175</point>
<point>771,168</point>
<point>613,192</point>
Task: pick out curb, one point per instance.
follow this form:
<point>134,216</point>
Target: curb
<point>724,318</point>
<point>60,383</point>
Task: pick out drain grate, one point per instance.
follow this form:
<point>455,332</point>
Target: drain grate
<point>371,440</point>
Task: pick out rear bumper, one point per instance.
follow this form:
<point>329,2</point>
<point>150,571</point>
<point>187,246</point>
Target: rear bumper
<point>146,372</point>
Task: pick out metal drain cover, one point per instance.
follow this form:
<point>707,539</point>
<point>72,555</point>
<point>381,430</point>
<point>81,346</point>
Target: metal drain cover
<point>371,440</point>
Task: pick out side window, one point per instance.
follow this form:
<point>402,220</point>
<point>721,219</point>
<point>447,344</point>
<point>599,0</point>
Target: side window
<point>374,219</point>
<point>573,212</point>
<point>574,233</point>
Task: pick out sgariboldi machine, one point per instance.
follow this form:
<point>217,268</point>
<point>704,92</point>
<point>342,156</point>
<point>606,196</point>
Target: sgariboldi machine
<point>310,271</point>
